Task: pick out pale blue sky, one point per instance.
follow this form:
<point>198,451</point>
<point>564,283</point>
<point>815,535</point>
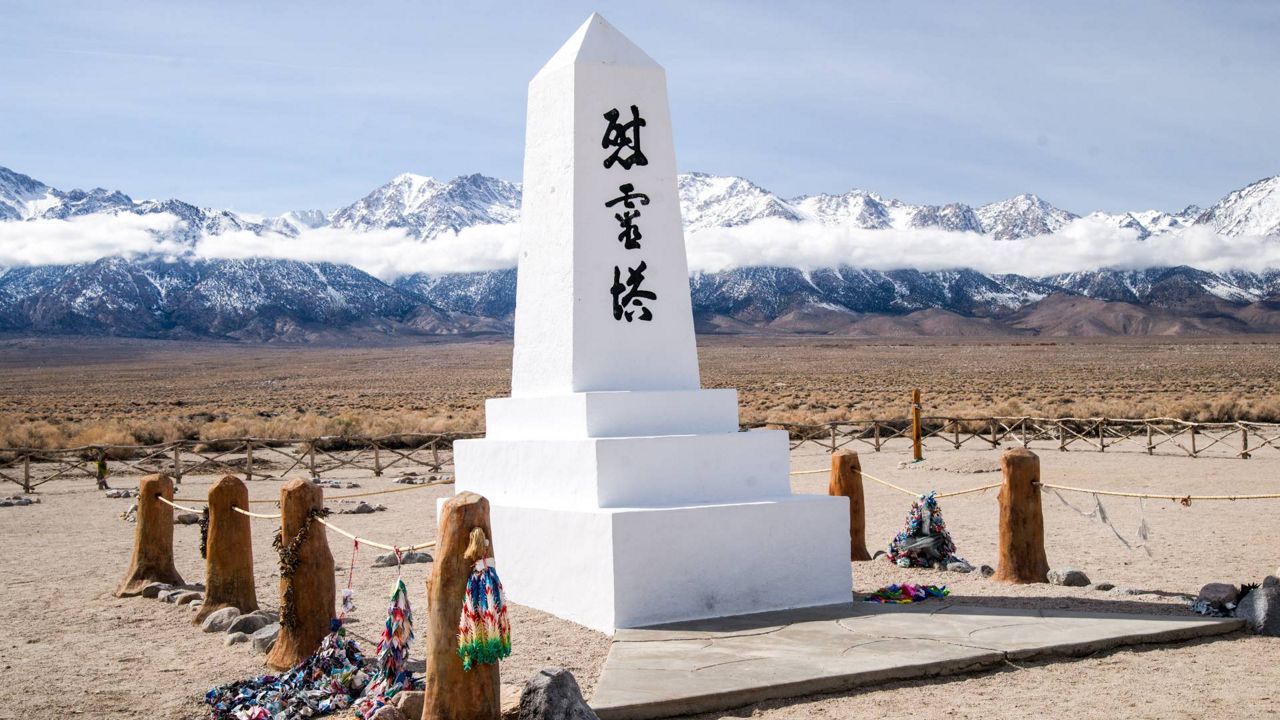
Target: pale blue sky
<point>270,106</point>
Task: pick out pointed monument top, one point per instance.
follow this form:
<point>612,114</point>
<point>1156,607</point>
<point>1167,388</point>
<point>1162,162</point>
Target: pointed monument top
<point>598,42</point>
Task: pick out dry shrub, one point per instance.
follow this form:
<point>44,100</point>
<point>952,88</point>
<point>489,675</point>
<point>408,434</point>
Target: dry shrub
<point>34,434</point>
<point>104,433</point>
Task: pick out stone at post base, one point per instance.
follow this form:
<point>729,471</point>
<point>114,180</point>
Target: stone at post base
<point>229,555</point>
<point>314,584</point>
<point>152,559</point>
<point>553,694</point>
<point>622,492</point>
<point>1260,610</point>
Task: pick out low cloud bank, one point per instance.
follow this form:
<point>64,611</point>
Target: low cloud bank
<point>1085,244</point>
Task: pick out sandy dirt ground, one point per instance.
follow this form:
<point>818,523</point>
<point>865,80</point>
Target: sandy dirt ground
<point>71,649</point>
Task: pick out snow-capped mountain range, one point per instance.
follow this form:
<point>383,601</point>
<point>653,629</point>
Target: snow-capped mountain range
<point>265,299</point>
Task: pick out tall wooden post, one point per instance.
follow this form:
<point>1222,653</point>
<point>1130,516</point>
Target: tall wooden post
<point>152,539</point>
<point>1021,554</point>
<point>312,581</point>
<point>916,450</point>
<point>453,693</point>
<point>228,563</point>
<point>846,481</point>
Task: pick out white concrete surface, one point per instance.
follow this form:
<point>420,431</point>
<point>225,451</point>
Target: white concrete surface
<point>612,414</point>
<point>566,338</point>
<point>660,471</point>
<point>621,492</point>
<point>610,568</point>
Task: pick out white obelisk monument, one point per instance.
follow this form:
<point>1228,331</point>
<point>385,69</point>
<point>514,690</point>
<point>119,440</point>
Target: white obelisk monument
<point>622,493</point>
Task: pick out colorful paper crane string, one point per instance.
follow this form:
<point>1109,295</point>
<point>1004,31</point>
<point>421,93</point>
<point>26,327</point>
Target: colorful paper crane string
<point>484,631</point>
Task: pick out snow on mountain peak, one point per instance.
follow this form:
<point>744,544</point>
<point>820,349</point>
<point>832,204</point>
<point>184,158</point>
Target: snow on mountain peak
<point>1022,216</point>
<point>708,201</point>
<point>1252,210</point>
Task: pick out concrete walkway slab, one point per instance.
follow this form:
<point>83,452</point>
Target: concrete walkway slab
<point>707,665</point>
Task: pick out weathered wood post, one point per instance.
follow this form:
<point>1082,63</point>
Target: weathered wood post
<point>26,472</point>
<point>177,461</point>
<point>152,539</point>
<point>451,692</point>
<point>916,450</point>
<point>228,563</point>
<point>1244,442</point>
<point>306,593</point>
<point>1021,555</point>
<point>846,481</point>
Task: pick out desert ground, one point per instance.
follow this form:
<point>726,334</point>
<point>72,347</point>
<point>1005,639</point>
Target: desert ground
<point>66,392</point>
<point>74,650</point>
<point>137,658</point>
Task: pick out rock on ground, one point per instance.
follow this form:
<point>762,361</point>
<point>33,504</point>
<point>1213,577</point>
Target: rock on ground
<point>247,624</point>
<point>187,518</point>
<point>987,571</point>
<point>389,712</point>
<point>553,694</point>
<point>265,637</point>
<point>220,620</point>
<point>1219,594</point>
<point>959,566</point>
<point>187,597</point>
<point>1260,610</point>
<point>153,590</point>
<point>409,558</point>
<point>410,702</point>
<point>236,638</point>
<point>1068,577</point>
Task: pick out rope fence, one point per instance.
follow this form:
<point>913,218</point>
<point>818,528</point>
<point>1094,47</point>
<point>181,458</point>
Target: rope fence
<point>360,540</point>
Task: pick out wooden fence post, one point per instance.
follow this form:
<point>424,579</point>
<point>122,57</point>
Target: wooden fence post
<point>846,481</point>
<point>1150,446</point>
<point>875,428</point>
<point>1102,435</point>
<point>1021,554</point>
<point>310,590</point>
<point>228,574</point>
<point>152,539</point>
<point>100,470</point>
<point>1244,442</point>
<point>26,472</point>
<point>916,451</point>
<point>248,462</point>
<point>311,458</point>
<point>177,461</point>
<point>451,692</point>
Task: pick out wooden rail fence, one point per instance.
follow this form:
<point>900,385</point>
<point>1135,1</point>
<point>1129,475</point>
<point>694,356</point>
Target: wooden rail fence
<point>263,457</point>
<point>246,457</point>
<point>1194,439</point>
